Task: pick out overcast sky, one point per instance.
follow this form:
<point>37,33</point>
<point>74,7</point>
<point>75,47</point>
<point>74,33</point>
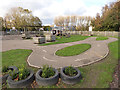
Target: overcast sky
<point>46,10</point>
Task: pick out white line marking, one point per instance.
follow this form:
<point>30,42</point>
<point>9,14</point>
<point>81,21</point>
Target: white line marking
<point>79,59</point>
<point>98,45</point>
<point>44,51</point>
<point>48,59</point>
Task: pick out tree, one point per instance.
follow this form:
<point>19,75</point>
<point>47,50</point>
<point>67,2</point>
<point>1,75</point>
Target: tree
<point>109,20</point>
<point>1,23</point>
<point>98,22</point>
<point>110,17</point>
<point>78,22</point>
<point>17,17</point>
<point>61,21</point>
<point>56,21</point>
<point>73,21</point>
<point>83,22</point>
<point>67,21</point>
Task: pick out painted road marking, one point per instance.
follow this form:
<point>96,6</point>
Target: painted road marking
<point>98,45</point>
<point>79,59</point>
<point>49,59</point>
<point>44,51</point>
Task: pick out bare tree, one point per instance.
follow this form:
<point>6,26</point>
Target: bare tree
<point>67,21</point>
<point>78,22</point>
<point>73,21</point>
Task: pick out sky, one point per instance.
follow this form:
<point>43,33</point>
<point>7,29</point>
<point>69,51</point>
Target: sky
<point>47,10</point>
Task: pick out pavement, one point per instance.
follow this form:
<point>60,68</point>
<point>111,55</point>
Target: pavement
<point>46,54</point>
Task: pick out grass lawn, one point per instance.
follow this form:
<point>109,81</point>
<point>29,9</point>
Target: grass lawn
<point>73,38</point>
<point>15,57</point>
<point>73,50</point>
<point>101,38</point>
<point>98,75</point>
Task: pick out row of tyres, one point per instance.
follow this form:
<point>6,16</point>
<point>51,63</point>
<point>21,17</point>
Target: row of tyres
<point>26,83</point>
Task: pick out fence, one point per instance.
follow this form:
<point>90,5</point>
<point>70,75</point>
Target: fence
<point>87,33</point>
<point>95,33</point>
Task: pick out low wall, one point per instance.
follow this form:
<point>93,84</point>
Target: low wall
<point>95,33</point>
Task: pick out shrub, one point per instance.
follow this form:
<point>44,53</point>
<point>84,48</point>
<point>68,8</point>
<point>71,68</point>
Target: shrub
<point>21,74</point>
<point>70,71</point>
<point>13,74</point>
<point>47,71</point>
<point>5,69</point>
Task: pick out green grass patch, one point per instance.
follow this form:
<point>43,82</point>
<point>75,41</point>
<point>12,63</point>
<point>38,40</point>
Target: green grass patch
<point>73,50</point>
<point>98,75</point>
<point>101,38</point>
<point>73,38</point>
<point>15,57</point>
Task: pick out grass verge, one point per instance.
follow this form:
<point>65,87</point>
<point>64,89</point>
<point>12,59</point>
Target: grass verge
<point>16,58</point>
<point>101,38</point>
<point>73,38</point>
<point>73,50</point>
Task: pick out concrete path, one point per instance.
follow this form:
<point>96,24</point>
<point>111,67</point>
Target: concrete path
<point>46,54</point>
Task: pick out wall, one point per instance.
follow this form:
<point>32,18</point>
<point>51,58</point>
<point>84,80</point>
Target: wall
<point>95,33</point>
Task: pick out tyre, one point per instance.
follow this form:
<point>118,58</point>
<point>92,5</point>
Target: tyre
<point>70,79</point>
<point>22,83</point>
<point>47,81</point>
<point>4,78</point>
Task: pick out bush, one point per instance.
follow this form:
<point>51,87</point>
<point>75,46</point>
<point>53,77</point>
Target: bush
<point>21,74</point>
<point>70,71</point>
<point>13,74</point>
<point>47,72</point>
<point>5,69</point>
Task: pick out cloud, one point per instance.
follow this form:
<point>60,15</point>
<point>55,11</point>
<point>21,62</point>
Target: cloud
<point>92,11</point>
<point>46,10</point>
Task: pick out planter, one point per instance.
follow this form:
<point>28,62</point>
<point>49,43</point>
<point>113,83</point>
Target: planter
<point>22,83</point>
<point>47,81</point>
<point>50,38</point>
<point>4,78</point>
<point>39,40</point>
<point>70,79</point>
